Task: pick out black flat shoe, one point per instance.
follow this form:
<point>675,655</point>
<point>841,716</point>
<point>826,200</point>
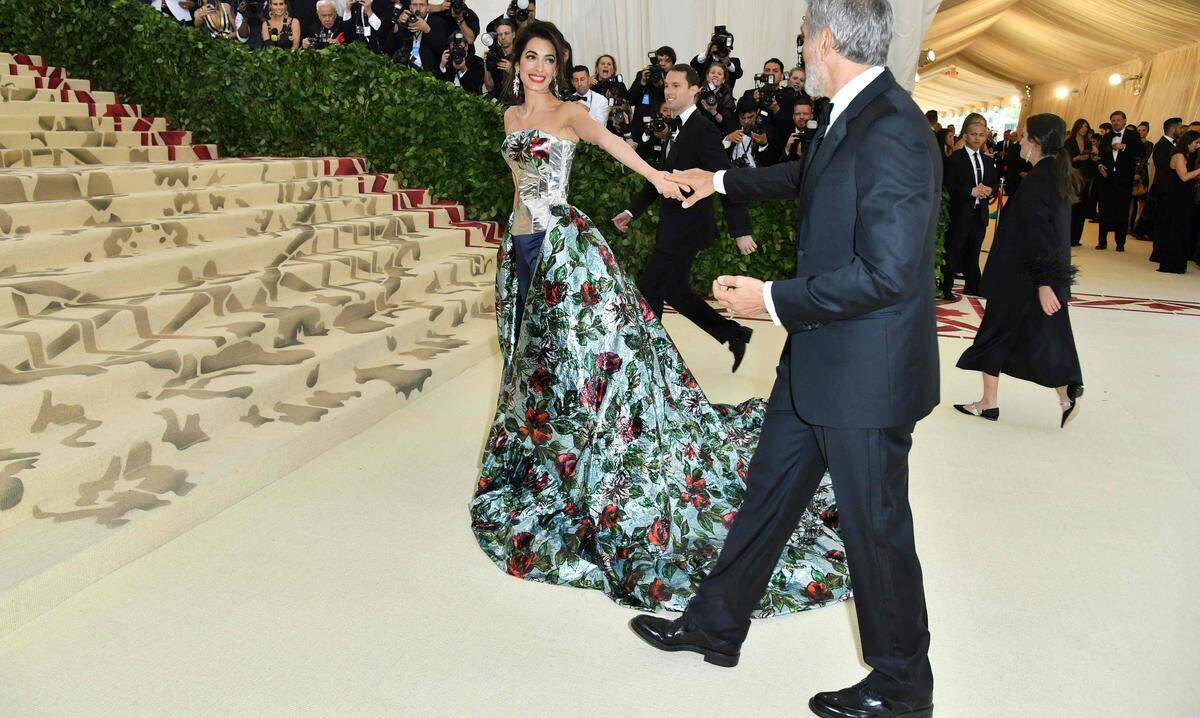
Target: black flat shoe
<point>863,701</point>
<point>992,414</point>
<point>677,636</point>
<point>1070,411</point>
<point>737,345</point>
<point>1101,247</point>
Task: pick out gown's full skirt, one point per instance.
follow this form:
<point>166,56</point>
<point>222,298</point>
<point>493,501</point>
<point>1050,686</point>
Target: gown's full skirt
<point>606,467</point>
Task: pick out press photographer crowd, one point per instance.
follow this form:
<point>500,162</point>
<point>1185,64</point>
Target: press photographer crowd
<point>772,121</point>
<point>1130,185</point>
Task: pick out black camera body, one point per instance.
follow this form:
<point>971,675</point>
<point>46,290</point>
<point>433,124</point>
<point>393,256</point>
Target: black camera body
<point>610,87</point>
<point>722,42</point>
<point>655,74</point>
<point>760,123</point>
<point>516,13</point>
<point>710,95</point>
<point>458,6</point>
<point>402,13</point>
<point>458,48</point>
<point>658,122</point>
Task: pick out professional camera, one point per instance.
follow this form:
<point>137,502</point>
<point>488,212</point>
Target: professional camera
<point>609,87</point>
<point>710,95</point>
<point>722,40</point>
<point>658,122</point>
<point>402,15</point>
<point>458,48</point>
<point>768,91</point>
<point>620,112</point>
<point>760,123</point>
<point>518,10</point>
<point>655,74</point>
<point>322,40</point>
<point>458,6</point>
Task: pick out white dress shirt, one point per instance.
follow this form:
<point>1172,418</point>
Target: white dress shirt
<point>598,106</point>
<point>838,103</point>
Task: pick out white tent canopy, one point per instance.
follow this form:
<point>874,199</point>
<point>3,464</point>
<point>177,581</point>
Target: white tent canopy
<point>997,47</point>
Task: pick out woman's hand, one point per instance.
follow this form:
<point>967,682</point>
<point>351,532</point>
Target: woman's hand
<point>667,187</point>
<point>1049,300</point>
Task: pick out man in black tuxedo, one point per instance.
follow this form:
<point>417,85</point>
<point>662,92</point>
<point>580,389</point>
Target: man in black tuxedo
<point>970,181</point>
<point>859,368</point>
<point>1119,152</point>
<point>1015,166</point>
<point>1161,159</point>
<point>682,234</point>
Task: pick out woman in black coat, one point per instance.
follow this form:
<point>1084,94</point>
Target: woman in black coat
<point>1079,149</point>
<point>1173,229</point>
<point>1026,332</point>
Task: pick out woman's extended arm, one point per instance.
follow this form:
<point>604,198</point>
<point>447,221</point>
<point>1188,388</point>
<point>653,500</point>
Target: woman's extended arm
<point>591,131</point>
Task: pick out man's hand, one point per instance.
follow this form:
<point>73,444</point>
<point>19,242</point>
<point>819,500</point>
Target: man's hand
<point>622,221</point>
<point>366,9</point>
<point>792,138</point>
<point>1103,171</point>
<point>741,295</point>
<point>746,245</point>
<point>186,4</point>
<point>445,58</point>
<point>668,186</point>
<point>1118,146</point>
<point>759,138</point>
<point>504,65</point>
<point>701,182</point>
<point>735,136</point>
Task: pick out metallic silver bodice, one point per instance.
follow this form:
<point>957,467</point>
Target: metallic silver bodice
<point>541,166</point>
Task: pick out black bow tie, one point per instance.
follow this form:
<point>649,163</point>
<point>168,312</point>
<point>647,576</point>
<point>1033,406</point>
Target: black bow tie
<point>676,124</point>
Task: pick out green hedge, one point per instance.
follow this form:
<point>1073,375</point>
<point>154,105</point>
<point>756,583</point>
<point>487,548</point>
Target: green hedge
<point>344,101</point>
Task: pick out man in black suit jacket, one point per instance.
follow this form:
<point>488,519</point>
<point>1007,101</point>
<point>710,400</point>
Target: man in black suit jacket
<point>1119,152</point>
<point>859,368</point>
<point>1161,159</point>
<point>683,233</point>
<point>1015,166</point>
<point>970,181</point>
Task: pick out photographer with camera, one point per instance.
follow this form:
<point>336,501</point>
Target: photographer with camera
<point>596,103</point>
<point>326,30</point>
<point>654,133</point>
<point>717,100</point>
<point>805,123</point>
<point>461,66</point>
<point>606,81</point>
<point>463,18</point>
<point>620,121</point>
<point>520,12</point>
<point>280,29</point>
<point>418,38</point>
<point>499,60</point>
<point>646,93</point>
<point>219,20</point>
<point>720,51</point>
<point>745,145</point>
<point>364,21</point>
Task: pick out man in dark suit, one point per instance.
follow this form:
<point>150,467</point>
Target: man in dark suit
<point>683,233</point>
<point>1161,159</point>
<point>859,368</point>
<point>418,37</point>
<point>1015,166</point>
<point>1119,152</point>
<point>970,181</point>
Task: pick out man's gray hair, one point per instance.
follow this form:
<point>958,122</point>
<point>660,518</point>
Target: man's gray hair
<point>862,29</point>
<point>326,3</point>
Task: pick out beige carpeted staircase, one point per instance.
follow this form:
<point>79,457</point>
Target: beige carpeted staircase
<point>178,330</point>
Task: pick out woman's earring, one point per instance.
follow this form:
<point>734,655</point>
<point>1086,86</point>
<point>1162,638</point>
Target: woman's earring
<point>516,84</point>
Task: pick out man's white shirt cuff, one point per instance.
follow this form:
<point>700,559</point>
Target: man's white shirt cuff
<point>719,181</point>
<point>769,303</point>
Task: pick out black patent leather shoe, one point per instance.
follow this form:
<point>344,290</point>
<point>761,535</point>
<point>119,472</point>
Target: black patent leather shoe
<point>737,345</point>
<point>1071,409</point>
<point>677,636</point>
<point>992,414</point>
<point>863,701</point>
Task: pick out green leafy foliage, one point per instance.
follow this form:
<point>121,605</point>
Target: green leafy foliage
<point>348,101</point>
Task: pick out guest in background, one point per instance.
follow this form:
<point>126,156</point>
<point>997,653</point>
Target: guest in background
<point>279,28</point>
<point>1160,161</point>
<point>1079,149</point>
<point>1174,233</point>
<point>499,60</point>
<point>1026,332</point>
<point>606,81</point>
<point>1141,185</point>
<point>219,20</point>
<point>970,180</point>
<point>596,103</point>
<point>326,30</point>
<point>1119,152</point>
<point>1015,166</point>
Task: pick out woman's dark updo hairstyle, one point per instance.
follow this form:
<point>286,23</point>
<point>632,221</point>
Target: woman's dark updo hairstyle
<point>1050,132</point>
<point>537,30</point>
<point>1185,140</point>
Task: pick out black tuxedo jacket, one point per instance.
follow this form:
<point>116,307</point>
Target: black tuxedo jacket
<point>471,81</point>
<point>1121,169</point>
<point>960,180</point>
<point>697,145</point>
<point>1162,165</point>
<point>862,345</point>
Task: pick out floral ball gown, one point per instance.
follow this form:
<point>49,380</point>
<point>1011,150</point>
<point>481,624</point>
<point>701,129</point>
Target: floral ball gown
<point>606,467</point>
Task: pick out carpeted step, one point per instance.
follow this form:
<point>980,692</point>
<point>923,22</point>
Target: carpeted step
<point>41,82</point>
<point>16,123</point>
<point>69,156</point>
<point>61,94</point>
<point>32,140</point>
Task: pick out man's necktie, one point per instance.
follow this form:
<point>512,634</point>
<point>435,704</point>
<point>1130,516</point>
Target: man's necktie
<point>978,173</point>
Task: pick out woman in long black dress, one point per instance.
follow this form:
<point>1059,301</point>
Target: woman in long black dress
<point>1026,332</point>
<point>1173,223</point>
<point>1079,149</point>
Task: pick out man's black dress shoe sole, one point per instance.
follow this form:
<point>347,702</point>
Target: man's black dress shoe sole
<point>819,709</point>
<point>716,658</point>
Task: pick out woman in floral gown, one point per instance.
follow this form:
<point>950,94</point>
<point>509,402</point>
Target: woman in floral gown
<point>606,467</point>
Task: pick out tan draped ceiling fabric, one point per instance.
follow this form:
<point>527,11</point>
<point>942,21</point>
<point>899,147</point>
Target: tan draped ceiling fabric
<point>996,47</point>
